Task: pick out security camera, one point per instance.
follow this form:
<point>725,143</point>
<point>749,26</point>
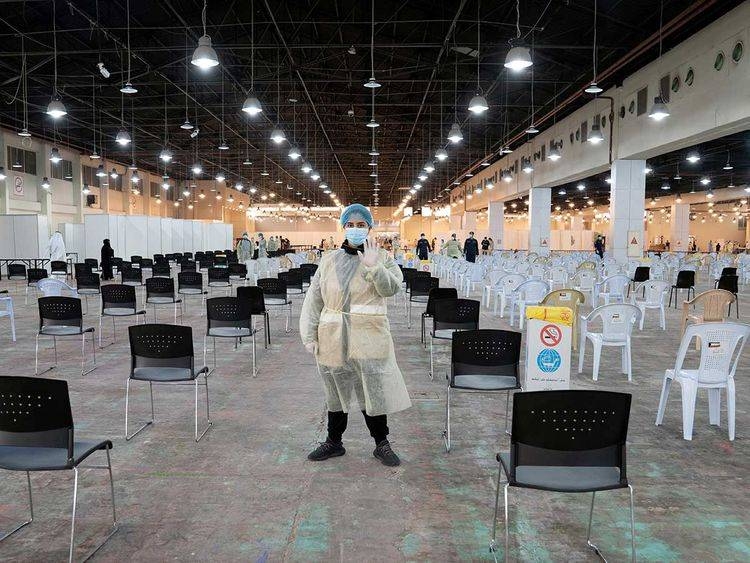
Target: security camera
<point>194,133</point>
<point>103,70</point>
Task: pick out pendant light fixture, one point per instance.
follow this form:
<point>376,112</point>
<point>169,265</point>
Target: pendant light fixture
<point>594,88</point>
<point>659,110</point>
<point>728,165</point>
<point>55,109</point>
<point>595,135</point>
<point>204,56</point>
<point>24,132</point>
<point>372,83</point>
<point>277,134</point>
<point>531,129</point>
<point>252,104</point>
<point>455,135</point>
<point>94,154</point>
<point>519,57</point>
<point>693,157</point>
<point>677,174</point>
<point>128,87</point>
<point>54,156</point>
<point>165,155</point>
<point>45,183</point>
<point>478,104</point>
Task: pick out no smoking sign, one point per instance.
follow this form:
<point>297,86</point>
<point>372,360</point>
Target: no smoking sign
<point>550,335</point>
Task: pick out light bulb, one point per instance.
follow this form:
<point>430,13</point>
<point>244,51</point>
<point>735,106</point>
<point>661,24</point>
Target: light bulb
<point>204,56</point>
<point>518,58</point>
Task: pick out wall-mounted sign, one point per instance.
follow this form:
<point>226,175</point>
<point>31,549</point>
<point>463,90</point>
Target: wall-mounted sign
<point>18,188</point>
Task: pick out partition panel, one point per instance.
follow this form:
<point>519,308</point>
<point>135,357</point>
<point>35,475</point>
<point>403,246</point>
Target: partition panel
<point>154,242</point>
<point>96,230</point>
<point>167,244</point>
<point>136,238</point>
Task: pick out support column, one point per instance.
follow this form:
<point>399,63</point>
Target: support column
<point>496,223</point>
<point>455,222</point>
<point>540,203</point>
<point>679,227</point>
<point>627,204</point>
<point>78,195</point>
<point>4,184</point>
<point>469,221</point>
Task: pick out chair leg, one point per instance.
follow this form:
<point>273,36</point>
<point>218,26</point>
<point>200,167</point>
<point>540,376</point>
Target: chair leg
<point>31,511</point>
<point>127,403</point>
<point>255,369</point>
<point>663,400</point>
<point>714,406</point>
<point>731,408</point>
<point>447,428</point>
<point>84,371</point>
<point>208,426</point>
<point>588,535</point>
<point>73,519</point>
<point>632,525</point>
<point>689,393</point>
<point>493,542</point>
<point>597,360</point>
<point>581,353</point>
<point>507,405</point>
<point>432,346</point>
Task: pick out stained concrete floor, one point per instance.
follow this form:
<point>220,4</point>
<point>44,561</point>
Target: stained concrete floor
<point>247,493</point>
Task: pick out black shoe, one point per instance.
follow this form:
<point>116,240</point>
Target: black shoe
<point>386,455</point>
<point>326,450</point>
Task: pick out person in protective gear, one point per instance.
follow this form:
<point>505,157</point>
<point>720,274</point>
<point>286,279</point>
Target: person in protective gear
<point>344,323</point>
<point>56,247</point>
<point>106,260</point>
<point>244,249</point>
<point>471,248</point>
<point>273,246</point>
<point>423,248</point>
<point>262,247</point>
<point>452,247</point>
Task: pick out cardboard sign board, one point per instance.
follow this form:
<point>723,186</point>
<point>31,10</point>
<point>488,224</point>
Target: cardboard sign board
<point>548,343</point>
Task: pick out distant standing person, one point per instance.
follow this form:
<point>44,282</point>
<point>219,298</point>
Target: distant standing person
<point>106,261</point>
<point>718,248</point>
<point>423,248</point>
<point>485,246</point>
<point>262,247</point>
<point>471,248</point>
<point>666,244</point>
<point>599,247</point>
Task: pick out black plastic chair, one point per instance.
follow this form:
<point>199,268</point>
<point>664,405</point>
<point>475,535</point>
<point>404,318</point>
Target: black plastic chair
<point>567,442</point>
<point>641,274</point>
<point>163,355</point>
<point>159,259</point>
<point>16,272</point>
<point>228,317</point>
<point>191,283</point>
<point>205,264</point>
<point>237,272</point>
<point>161,270</point>
<point>117,263</point>
<point>254,296</point>
<point>188,266</point>
<point>483,361</point>
<point>312,268</point>
<point>58,268</point>
<point>419,292</point>
<point>118,301</point>
<point>88,284</point>
<point>435,295</point>
<point>60,317</point>
<point>132,277</point>
<point>728,271</point>
<point>220,261</point>
<point>730,283</point>
<point>92,263</point>
<point>135,260</point>
<point>275,295</point>
<point>33,277</point>
<point>294,280</point>
<point>685,281</point>
<point>41,437</point>
<point>452,315</point>
<point>80,268</point>
<point>160,291</point>
<point>218,278</point>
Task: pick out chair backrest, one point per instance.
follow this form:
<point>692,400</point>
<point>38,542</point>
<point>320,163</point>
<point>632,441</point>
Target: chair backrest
<point>147,263</point>
<point>132,275</point>
<point>59,266</point>
<point>60,311</point>
<point>422,285</point>
<point>88,281</point>
<point>532,290</point>
<point>36,414</point>
<point>585,278</point>
<point>159,287</point>
<point>456,314</point>
<point>51,287</point>
<point>293,278</point>
<point>220,260</point>
<point>510,282</point>
<point>486,352</point>
<point>17,270</point>
<point>312,268</point>
<point>218,275</point>
<point>571,298</point>
<point>159,258</point>
<point>579,428</point>
<point>685,279</point>
<point>92,262</point>
<point>438,293</point>
<point>617,319</point>
<point>222,312</point>
<point>117,296</point>
<point>273,287</point>
<point>655,291</point>
<point>161,269</point>
<point>187,266</point>
<point>617,284</point>
<point>189,280</point>
<point>558,274</point>
<point>237,269</point>
<point>714,302</point>
<point>415,275</point>
<point>161,345</point>
<point>33,275</point>
<point>254,296</point>
<point>641,273</point>
<point>136,259</point>
<point>721,348</point>
<point>81,268</point>
<point>729,282</point>
<point>728,271</point>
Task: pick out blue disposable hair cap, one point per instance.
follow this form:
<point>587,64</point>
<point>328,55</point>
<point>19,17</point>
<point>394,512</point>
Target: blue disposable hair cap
<point>356,209</point>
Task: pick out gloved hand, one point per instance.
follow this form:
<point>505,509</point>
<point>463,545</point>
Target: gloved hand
<point>370,257</point>
<point>312,347</point>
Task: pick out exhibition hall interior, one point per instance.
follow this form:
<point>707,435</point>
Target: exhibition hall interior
<point>374,280</point>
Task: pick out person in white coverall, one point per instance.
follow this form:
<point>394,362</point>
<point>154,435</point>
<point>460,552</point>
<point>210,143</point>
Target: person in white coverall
<point>344,323</point>
<point>56,247</point>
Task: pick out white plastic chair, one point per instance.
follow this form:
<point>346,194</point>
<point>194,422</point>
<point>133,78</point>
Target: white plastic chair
<point>530,292</point>
<point>612,288</point>
<point>655,294</point>
<point>53,287</point>
<point>508,284</point>
<point>584,281</point>
<point>8,301</point>
<point>558,277</point>
<point>493,280</point>
<point>721,348</point>
<point>617,325</point>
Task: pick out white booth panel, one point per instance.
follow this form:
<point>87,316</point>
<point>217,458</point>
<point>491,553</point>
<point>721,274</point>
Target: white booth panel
<point>178,240</point>
<point>187,236</point>
<point>7,239</point>
<point>167,244</point>
<point>216,236</point>
<point>74,235</point>
<point>154,236</point>
<point>230,235</point>
<point>96,230</point>
<point>197,236</point>
<point>136,238</point>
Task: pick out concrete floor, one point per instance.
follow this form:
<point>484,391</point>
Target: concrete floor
<point>247,493</point>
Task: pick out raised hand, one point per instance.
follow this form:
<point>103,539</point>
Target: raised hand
<point>370,256</point>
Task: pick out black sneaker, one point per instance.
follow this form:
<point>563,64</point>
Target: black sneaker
<point>326,450</point>
<point>385,454</point>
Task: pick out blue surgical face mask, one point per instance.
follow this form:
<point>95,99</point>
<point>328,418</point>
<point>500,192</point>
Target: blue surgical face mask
<point>356,236</point>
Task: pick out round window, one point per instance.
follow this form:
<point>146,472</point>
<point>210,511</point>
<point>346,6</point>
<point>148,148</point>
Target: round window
<point>631,107</point>
<point>719,61</point>
<point>676,84</point>
<point>689,77</point>
<point>737,51</point>
<point>622,112</point>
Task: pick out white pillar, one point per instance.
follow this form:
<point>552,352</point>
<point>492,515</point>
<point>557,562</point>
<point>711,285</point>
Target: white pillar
<point>679,231</point>
<point>455,222</point>
<point>540,204</point>
<point>4,184</point>
<point>77,185</point>
<point>627,205</point>
<point>496,223</point>
<point>469,222</point>
<point>44,169</point>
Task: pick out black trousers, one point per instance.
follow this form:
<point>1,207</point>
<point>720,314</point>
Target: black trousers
<point>377,425</point>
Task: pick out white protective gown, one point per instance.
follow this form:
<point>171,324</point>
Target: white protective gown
<point>262,245</point>
<point>345,313</point>
<point>56,247</point>
<point>244,250</point>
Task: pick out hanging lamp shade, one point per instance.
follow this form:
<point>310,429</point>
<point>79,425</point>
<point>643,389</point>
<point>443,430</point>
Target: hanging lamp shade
<point>123,138</point>
<point>24,133</point>
<point>593,88</point>
<point>532,130</point>
<point>441,154</point>
<point>134,177</point>
<point>252,105</point>
<point>455,135</point>
<point>204,56</point>
<point>113,174</point>
<point>187,125</point>
<point>294,152</point>
<point>277,135</point>
<point>100,172</point>
<point>220,177</point>
<point>507,150</point>
<point>422,176</point>
<point>554,154</point>
<point>429,167</point>
<point>595,135</point>
<point>223,146</point>
<point>45,183</point>
<point>128,88</point>
<point>197,168</point>
<point>56,109</point>
<point>372,83</point>
<point>518,58</point>
<point>306,168</point>
<point>165,155</point>
<point>372,124</point>
<point>314,175</point>
<point>659,110</point>
<point>94,155</point>
<point>478,104</point>
<point>54,155</point>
